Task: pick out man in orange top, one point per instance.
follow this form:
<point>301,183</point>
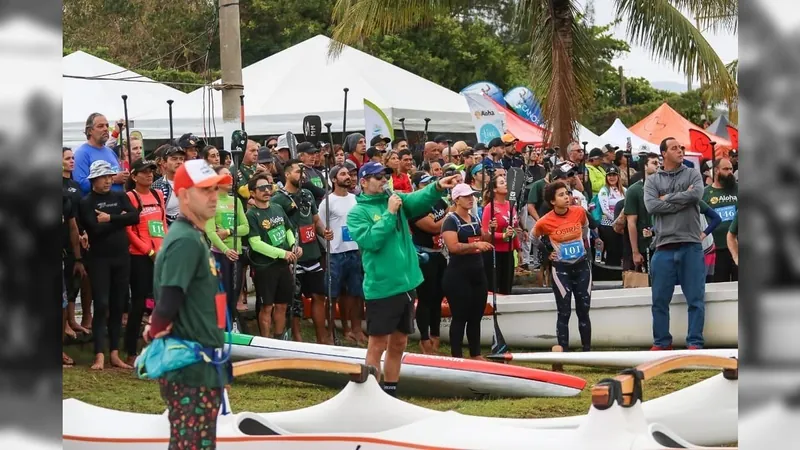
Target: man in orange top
<point>145,241</point>
<point>563,232</point>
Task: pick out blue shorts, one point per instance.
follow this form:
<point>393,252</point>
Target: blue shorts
<point>346,274</point>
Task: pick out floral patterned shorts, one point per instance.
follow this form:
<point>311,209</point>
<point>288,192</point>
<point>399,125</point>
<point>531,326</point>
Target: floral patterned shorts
<point>192,415</point>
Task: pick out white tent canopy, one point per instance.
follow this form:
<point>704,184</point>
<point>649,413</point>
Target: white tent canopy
<point>618,134</point>
<point>84,97</point>
<point>586,135</point>
<point>301,80</point>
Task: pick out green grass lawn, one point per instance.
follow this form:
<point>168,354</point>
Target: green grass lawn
<point>122,390</point>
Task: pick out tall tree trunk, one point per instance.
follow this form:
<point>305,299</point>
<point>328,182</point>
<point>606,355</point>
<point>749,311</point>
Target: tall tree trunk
<point>562,99</point>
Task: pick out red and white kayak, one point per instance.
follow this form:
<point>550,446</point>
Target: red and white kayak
<point>610,358</point>
<point>421,375</point>
<point>620,318</point>
<point>363,417</point>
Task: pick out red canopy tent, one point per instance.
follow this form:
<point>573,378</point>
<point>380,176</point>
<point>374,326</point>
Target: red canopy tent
<point>666,122</point>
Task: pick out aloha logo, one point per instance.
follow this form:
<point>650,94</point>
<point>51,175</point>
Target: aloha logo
<point>271,222</point>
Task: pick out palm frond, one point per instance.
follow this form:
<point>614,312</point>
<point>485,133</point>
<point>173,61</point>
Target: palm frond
<point>560,67</point>
<point>355,20</point>
<point>672,38</point>
<point>712,15</point>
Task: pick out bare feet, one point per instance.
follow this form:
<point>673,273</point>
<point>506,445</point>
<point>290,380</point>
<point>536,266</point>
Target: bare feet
<point>361,338</point>
<point>99,362</point>
<point>86,322</point>
<point>478,358</point>
<point>66,361</point>
<point>78,328</point>
<point>435,343</point>
<point>117,362</point>
<point>68,331</point>
<point>130,360</point>
<point>426,347</point>
<point>241,306</point>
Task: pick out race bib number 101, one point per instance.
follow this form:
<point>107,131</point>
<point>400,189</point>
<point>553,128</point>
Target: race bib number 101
<point>571,250</point>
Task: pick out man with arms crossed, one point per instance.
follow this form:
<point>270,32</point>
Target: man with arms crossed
<point>672,196</point>
<point>378,224</point>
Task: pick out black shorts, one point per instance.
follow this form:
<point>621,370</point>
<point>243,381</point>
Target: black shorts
<point>390,314</point>
<point>311,278</point>
<point>273,285</point>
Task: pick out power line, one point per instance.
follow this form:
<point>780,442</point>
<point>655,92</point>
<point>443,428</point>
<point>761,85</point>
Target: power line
<point>132,80</point>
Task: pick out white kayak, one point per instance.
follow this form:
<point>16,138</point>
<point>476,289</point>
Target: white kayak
<point>610,358</point>
<point>420,375</point>
<point>620,318</point>
<point>362,415</point>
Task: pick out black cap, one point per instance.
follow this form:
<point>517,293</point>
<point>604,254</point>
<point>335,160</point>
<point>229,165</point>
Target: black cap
<point>173,150</point>
<point>189,140</point>
<point>142,164</point>
<point>379,138</point>
<point>596,153</point>
<point>610,148</point>
<point>265,155</point>
<point>479,146</point>
<point>306,147</point>
<point>496,142</point>
<point>372,152</point>
<point>612,171</point>
<point>557,174</point>
<point>440,139</point>
<point>351,166</point>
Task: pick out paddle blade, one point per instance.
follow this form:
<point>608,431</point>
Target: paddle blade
<point>516,182</point>
<point>312,128</point>
<point>291,141</point>
<point>498,341</point>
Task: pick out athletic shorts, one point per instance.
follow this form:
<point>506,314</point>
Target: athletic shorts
<point>346,274</point>
<point>273,285</point>
<point>390,314</point>
<point>311,277</point>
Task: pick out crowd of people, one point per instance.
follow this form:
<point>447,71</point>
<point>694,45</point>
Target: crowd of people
<point>608,207</point>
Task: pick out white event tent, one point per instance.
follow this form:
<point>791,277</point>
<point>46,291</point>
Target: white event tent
<point>83,97</point>
<point>618,134</point>
<point>301,80</point>
<point>586,135</point>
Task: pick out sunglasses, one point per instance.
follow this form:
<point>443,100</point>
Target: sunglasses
<point>272,146</point>
<point>379,177</point>
<point>264,187</point>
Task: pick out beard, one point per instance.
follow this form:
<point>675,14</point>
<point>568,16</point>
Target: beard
<point>344,184</point>
<point>727,181</point>
<point>295,183</point>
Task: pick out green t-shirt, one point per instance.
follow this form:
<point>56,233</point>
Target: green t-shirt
<point>536,194</point>
<point>734,228</point>
<point>185,262</point>
<point>725,203</point>
<point>634,206</point>
<point>272,225</point>
<point>302,220</point>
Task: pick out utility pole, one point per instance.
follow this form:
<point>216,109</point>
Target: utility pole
<point>230,51</point>
<point>623,97</point>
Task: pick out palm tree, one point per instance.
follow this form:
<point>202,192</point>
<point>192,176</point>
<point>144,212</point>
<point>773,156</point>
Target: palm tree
<point>560,51</point>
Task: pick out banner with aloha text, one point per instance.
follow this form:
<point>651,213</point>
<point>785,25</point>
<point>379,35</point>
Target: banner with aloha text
<point>489,122</point>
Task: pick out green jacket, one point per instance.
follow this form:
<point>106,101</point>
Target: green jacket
<point>388,255</point>
<point>597,175</point>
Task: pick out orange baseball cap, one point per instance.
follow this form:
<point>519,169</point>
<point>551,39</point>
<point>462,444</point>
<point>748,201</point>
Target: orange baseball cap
<point>509,138</point>
<point>198,173</point>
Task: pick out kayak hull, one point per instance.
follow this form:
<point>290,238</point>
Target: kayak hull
<point>620,318</point>
<point>612,358</point>
<point>363,415</point>
<point>420,375</point>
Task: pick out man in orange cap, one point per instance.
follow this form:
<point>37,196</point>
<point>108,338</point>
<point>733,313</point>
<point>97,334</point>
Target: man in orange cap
<point>511,158</point>
<point>191,306</point>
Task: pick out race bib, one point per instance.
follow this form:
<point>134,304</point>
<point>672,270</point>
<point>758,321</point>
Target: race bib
<point>726,213</point>
<point>221,303</point>
<point>227,220</point>
<point>346,234</point>
<point>156,228</point>
<point>277,236</point>
<point>307,234</point>
<point>438,242</point>
<point>473,239</point>
<point>569,251</point>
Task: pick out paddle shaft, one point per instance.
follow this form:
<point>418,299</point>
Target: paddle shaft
<point>403,124</point>
<point>171,135</point>
<point>235,275</point>
<point>127,129</point>
<point>344,116</point>
<point>329,191</point>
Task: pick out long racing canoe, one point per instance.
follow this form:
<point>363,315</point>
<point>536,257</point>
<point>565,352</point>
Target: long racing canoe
<point>609,358</point>
<point>421,375</point>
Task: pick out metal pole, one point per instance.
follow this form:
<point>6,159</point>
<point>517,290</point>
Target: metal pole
<point>127,128</point>
<point>331,305</point>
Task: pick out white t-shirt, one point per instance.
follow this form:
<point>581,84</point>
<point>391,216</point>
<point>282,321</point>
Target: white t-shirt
<point>340,208</point>
<point>173,207</point>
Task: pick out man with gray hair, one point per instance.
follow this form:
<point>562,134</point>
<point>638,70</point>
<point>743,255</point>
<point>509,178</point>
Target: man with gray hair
<point>95,149</point>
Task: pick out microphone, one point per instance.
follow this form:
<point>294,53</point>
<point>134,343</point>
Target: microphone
<point>388,191</point>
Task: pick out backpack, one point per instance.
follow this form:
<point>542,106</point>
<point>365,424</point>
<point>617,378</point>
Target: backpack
<point>158,202</point>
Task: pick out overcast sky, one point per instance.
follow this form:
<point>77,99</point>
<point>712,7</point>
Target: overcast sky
<point>639,62</point>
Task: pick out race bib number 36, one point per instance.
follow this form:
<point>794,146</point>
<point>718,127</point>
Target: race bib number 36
<point>570,251</point>
<point>726,213</point>
<point>307,234</point>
